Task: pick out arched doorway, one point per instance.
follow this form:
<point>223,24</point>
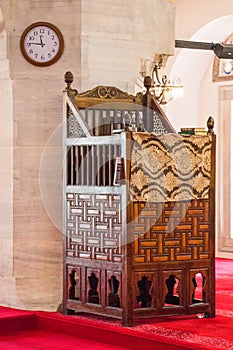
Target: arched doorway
<point>225,165</point>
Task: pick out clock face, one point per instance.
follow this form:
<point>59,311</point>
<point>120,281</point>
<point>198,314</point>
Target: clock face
<point>42,44</point>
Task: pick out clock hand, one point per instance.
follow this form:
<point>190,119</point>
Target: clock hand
<point>42,44</point>
<point>35,43</point>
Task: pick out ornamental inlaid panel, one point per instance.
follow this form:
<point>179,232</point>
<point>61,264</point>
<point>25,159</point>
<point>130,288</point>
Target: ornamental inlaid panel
<point>94,226</point>
<point>172,231</point>
<point>170,167</point>
<point>74,127</point>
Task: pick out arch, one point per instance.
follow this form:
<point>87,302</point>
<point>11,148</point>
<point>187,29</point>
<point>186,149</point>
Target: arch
<point>194,67</point>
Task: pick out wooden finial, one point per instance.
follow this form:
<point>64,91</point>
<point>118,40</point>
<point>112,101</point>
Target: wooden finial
<point>147,82</point>
<point>69,78</point>
<point>210,125</point>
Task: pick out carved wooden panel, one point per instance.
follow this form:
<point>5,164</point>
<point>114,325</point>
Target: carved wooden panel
<point>145,289</point>
<point>105,92</point>
<point>74,282</point>
<point>172,288</point>
<point>113,288</point>
<point>93,286</point>
<point>94,226</point>
<point>199,285</point>
<point>172,231</point>
<point>151,256</point>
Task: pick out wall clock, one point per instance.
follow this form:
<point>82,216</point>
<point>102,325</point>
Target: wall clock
<point>42,44</point>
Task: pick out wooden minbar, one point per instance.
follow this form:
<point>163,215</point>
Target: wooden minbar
<point>139,209</point>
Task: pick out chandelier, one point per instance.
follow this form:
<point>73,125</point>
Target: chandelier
<point>163,88</point>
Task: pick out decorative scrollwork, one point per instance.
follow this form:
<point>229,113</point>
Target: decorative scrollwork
<point>110,92</point>
<point>106,92</point>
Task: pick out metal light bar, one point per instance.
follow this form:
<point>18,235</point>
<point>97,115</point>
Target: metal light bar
<point>186,44</point>
<point>221,50</point>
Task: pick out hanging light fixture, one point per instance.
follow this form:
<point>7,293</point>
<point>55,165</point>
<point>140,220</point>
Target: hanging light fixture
<point>163,88</point>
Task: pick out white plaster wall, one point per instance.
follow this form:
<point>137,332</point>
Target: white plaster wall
<point>191,15</point>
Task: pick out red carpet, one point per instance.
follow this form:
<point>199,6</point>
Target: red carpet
<point>41,330</point>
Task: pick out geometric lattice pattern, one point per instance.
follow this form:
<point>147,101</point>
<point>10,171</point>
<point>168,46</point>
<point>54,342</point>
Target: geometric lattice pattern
<point>172,231</point>
<point>94,226</point>
<point>74,128</point>
<point>158,127</point>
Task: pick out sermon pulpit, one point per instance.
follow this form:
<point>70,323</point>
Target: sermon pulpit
<point>139,209</point>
